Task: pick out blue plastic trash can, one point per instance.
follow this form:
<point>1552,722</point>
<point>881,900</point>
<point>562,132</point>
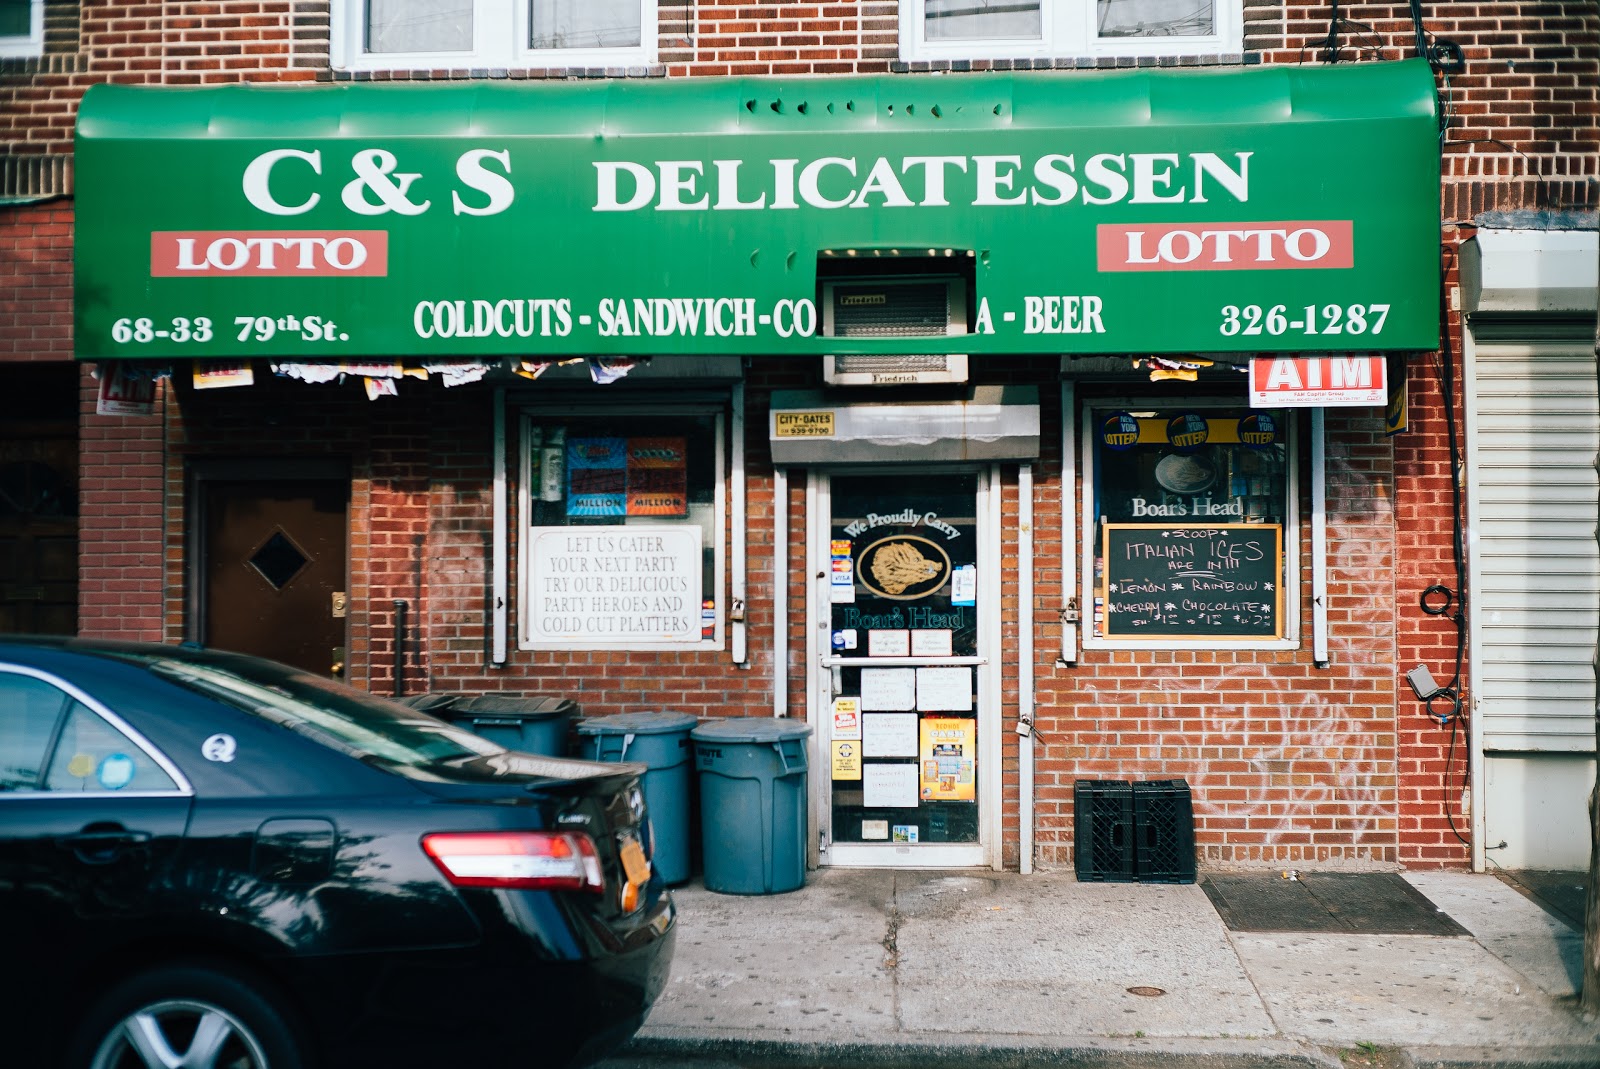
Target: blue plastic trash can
<point>533,724</point>
<point>659,741</point>
<point>753,803</point>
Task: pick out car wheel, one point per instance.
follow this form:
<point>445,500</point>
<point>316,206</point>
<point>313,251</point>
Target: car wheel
<point>188,1017</point>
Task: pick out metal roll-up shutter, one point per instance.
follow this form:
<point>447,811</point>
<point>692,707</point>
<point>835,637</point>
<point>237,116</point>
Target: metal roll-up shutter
<point>1533,430</point>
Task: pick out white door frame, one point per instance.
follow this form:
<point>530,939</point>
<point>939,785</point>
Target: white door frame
<point>820,673</point>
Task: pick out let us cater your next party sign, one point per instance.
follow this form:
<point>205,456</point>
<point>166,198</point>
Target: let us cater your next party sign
<point>1150,211</point>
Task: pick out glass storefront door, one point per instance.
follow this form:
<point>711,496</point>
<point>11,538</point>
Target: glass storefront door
<point>901,696</point>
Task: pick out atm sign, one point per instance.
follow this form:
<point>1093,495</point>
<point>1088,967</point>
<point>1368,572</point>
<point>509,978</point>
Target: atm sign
<point>1318,381</point>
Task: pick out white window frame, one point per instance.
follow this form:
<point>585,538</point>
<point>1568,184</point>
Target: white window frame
<point>719,556</point>
<point>1067,28</point>
<point>1291,581</point>
<point>498,28</point>
<point>29,45</point>
<point>181,786</point>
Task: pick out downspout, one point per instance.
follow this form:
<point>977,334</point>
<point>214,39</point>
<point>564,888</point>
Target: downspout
<point>399,648</point>
<point>1070,612</point>
<point>741,520</point>
<point>1319,537</point>
<point>1025,705</point>
<point>497,593</point>
<point>780,591</point>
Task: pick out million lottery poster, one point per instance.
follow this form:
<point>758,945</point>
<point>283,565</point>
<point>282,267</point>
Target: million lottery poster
<point>613,477</point>
<point>948,755</point>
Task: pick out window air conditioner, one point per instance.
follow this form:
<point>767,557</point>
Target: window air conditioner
<point>894,308</point>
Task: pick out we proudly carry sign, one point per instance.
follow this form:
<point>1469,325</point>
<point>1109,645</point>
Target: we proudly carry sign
<point>691,215</point>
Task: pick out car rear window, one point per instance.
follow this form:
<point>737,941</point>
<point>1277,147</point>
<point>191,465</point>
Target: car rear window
<point>337,715</point>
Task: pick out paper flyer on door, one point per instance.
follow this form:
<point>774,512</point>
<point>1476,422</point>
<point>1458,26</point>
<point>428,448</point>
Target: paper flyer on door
<point>949,746</point>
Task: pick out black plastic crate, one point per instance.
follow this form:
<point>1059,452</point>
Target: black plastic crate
<point>1163,820</point>
<point>1103,830</point>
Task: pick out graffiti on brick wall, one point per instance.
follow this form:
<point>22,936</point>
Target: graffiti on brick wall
<point>1283,766</point>
<point>1306,771</point>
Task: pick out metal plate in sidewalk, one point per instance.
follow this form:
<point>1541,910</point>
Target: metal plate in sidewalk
<point>1560,893</point>
<point>1364,903</point>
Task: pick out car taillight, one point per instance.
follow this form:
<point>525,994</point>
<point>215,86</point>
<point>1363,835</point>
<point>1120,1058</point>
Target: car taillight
<point>520,860</point>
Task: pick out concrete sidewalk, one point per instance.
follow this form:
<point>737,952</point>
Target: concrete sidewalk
<point>976,968</point>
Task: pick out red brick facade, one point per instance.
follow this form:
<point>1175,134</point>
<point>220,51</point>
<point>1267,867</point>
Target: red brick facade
<point>1289,762</point>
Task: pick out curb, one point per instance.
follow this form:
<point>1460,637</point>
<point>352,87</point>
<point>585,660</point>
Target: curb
<point>732,1047</point>
<point>1557,1057</point>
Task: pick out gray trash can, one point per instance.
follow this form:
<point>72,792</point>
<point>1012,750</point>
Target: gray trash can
<point>534,723</point>
<point>752,803</point>
<point>660,741</point>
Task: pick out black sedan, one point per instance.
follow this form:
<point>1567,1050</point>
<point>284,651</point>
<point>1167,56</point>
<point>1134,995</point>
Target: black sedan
<point>209,860</point>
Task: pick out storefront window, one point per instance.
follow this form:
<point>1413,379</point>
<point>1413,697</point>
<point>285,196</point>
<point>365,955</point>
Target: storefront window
<point>622,543</point>
<point>1189,536</point>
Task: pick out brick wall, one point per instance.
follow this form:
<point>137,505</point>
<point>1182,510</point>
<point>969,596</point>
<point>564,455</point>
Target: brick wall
<point>122,501</point>
<point>36,281</point>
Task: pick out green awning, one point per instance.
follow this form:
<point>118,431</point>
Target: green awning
<point>1280,208</point>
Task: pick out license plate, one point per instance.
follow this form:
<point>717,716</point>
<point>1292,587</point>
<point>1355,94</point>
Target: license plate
<point>634,863</point>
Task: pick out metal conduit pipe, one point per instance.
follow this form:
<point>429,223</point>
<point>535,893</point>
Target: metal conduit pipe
<point>399,648</point>
<point>1025,704</point>
<point>780,591</point>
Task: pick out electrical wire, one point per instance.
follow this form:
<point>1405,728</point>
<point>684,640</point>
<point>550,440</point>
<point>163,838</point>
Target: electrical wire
<point>1443,599</point>
<point>1438,599</point>
<point>1331,45</point>
<point>1366,46</point>
<point>1449,812</point>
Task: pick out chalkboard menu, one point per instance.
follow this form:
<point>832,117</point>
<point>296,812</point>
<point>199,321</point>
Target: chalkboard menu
<point>1200,581</point>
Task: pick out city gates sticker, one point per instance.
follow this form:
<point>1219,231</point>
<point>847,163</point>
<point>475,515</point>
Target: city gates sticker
<point>802,424</point>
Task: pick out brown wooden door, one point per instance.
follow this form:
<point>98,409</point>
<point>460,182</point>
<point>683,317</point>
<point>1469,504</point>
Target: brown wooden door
<point>39,497</point>
<point>274,570</point>
<point>39,535</point>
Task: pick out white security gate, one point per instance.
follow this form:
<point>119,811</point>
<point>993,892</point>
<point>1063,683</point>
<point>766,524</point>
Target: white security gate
<point>1533,429</point>
<point>1534,598</point>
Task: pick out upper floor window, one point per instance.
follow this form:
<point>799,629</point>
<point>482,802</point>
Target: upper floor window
<point>1015,29</point>
<point>432,34</point>
<point>21,28</point>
